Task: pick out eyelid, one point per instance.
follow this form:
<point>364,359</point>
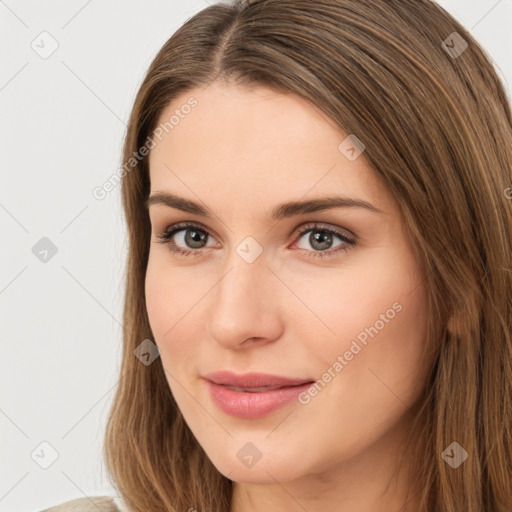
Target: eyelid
<point>343,232</point>
<point>297,231</point>
<point>184,225</point>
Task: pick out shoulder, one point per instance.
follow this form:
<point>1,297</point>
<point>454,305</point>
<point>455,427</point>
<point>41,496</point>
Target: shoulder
<point>89,504</point>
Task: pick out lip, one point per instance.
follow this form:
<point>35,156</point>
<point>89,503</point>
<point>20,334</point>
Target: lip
<point>253,404</point>
<point>253,379</point>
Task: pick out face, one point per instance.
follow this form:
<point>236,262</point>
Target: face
<point>331,295</point>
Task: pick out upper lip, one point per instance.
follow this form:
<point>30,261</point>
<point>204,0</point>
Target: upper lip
<point>252,380</point>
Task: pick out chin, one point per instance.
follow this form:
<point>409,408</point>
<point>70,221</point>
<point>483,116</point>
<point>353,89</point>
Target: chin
<point>269,468</point>
<point>261,474</point>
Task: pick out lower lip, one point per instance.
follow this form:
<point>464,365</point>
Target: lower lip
<point>253,405</point>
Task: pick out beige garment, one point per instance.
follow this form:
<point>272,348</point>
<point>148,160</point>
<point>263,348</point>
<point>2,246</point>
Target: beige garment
<point>90,504</point>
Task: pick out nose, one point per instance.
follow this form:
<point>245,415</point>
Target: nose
<point>245,307</point>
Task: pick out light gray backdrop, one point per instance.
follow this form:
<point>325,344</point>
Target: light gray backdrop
<point>70,71</point>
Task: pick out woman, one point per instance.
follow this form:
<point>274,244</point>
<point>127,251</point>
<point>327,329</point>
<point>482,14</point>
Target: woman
<point>319,288</point>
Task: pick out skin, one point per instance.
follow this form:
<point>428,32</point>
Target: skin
<point>241,152</point>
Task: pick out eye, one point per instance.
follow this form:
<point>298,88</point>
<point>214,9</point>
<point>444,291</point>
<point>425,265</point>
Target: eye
<point>192,238</point>
<point>322,238</point>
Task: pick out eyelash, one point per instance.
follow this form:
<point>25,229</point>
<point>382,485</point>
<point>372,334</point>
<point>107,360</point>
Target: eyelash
<point>166,236</point>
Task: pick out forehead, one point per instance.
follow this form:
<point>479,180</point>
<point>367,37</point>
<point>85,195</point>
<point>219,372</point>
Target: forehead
<point>255,144</point>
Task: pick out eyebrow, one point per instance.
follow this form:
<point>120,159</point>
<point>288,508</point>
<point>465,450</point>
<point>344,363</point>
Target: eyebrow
<point>281,211</point>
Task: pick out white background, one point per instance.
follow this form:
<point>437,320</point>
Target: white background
<point>63,120</point>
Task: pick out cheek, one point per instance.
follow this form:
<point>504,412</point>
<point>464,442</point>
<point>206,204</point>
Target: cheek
<point>159,297</point>
<point>374,315</point>
<point>382,367</point>
<point>168,300</point>
<point>346,300</point>
<point>170,293</point>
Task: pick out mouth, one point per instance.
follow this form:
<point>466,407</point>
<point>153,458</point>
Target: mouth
<point>252,402</point>
<point>254,381</point>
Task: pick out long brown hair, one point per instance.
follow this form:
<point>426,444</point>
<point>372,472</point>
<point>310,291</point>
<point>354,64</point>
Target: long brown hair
<point>436,124</point>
